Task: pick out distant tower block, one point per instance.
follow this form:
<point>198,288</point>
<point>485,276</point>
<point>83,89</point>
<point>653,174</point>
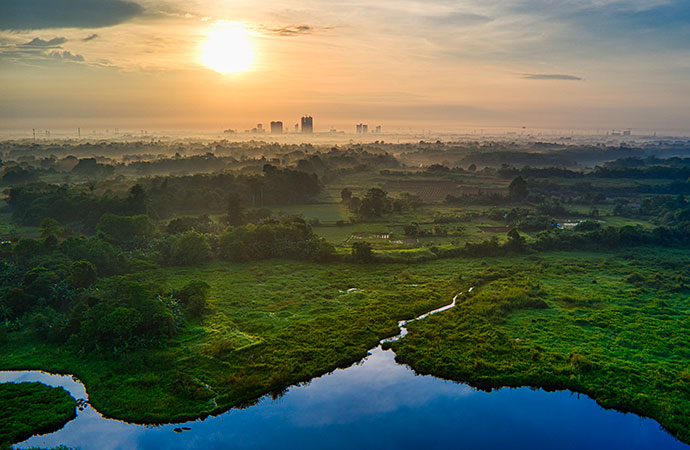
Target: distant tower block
<point>307,125</point>
<point>79,132</point>
<point>277,127</point>
<point>296,128</point>
<point>359,128</point>
<point>378,129</point>
<point>260,127</point>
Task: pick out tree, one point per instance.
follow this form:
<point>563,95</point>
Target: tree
<point>515,241</point>
<point>374,204</point>
<point>126,229</point>
<point>191,248</point>
<point>50,227</point>
<point>235,210</point>
<point>138,200</point>
<point>518,189</point>
<point>361,252</point>
<point>412,229</point>
<point>346,195</point>
<point>82,274</point>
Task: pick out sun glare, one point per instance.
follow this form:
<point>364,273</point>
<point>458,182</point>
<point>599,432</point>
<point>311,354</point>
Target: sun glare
<point>227,50</point>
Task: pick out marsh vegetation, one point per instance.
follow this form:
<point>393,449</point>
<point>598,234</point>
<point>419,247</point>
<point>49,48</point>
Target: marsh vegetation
<point>180,280</point>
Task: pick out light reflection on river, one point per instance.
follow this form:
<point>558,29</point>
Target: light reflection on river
<point>379,404</point>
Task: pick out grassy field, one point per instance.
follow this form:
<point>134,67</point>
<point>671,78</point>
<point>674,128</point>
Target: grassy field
<point>269,325</point>
<point>30,408</point>
<point>613,326</point>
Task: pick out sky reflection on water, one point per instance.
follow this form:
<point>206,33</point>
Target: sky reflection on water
<point>377,404</point>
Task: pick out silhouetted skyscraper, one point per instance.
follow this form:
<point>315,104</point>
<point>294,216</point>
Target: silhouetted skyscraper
<point>277,127</point>
<point>307,125</point>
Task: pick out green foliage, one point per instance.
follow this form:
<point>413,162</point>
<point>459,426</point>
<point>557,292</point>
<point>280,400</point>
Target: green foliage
<point>546,324</point>
<point>518,189</point>
<point>193,296</point>
<point>50,227</point>
<point>32,408</point>
<point>82,274</point>
<point>361,252</point>
<point>126,230</point>
<point>126,315</point>
<point>191,248</point>
<point>292,238</point>
<point>266,325</point>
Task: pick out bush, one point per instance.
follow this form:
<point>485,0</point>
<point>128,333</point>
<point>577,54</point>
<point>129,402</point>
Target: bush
<point>190,249</point>
<point>361,252</point>
<point>193,296</point>
<point>126,230</point>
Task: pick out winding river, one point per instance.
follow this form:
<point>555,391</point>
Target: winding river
<point>375,404</point>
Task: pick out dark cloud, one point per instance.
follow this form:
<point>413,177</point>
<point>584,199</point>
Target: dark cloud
<point>40,43</point>
<point>90,38</point>
<point>291,30</point>
<point>66,56</point>
<point>551,76</point>
<point>40,14</point>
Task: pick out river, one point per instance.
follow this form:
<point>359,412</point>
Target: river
<point>375,404</point>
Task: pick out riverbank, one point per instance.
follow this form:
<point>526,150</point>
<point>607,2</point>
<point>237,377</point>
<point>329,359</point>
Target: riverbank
<point>612,327</point>
<point>576,318</point>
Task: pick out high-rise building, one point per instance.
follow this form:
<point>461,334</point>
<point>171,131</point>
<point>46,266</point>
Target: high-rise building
<point>277,127</point>
<point>307,125</point>
<point>359,128</point>
<point>362,128</point>
<point>378,129</point>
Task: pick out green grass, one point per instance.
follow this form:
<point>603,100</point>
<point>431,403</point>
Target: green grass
<point>614,326</point>
<point>32,408</point>
<point>269,325</point>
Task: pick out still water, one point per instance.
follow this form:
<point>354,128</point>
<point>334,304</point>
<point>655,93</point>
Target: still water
<point>377,404</point>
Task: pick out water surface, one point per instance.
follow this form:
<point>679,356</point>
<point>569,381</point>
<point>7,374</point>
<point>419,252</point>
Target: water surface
<point>377,404</point>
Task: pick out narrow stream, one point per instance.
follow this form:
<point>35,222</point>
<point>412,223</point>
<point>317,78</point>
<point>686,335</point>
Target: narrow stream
<point>375,404</point>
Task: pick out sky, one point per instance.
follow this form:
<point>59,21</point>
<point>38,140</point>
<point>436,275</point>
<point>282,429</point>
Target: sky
<point>431,64</point>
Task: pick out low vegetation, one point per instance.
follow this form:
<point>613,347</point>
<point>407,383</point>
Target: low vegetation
<point>32,408</point>
<point>611,325</point>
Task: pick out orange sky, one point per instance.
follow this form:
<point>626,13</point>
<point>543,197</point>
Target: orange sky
<point>434,64</point>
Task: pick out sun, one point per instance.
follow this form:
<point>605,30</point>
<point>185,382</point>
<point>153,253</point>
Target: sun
<point>227,49</point>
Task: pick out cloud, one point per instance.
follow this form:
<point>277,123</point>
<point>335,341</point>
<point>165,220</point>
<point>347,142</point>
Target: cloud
<point>290,30</point>
<point>90,38</point>
<point>461,19</point>
<point>66,56</point>
<point>551,76</point>
<point>40,14</point>
<point>40,43</point>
